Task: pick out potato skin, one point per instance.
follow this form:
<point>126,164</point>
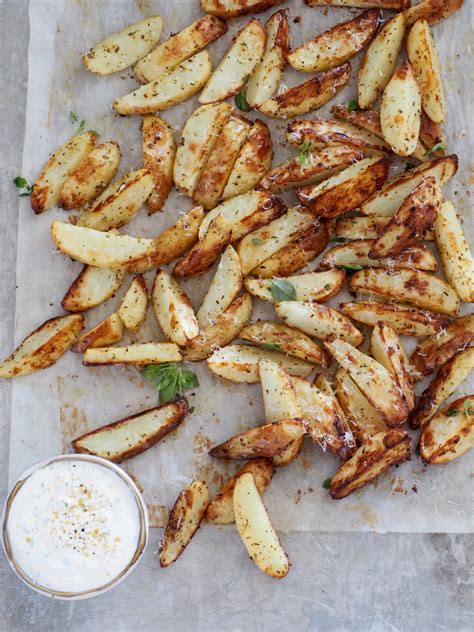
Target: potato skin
<point>226,9</point>
<point>159,149</point>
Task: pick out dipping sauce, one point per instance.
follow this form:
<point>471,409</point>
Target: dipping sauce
<point>73,526</point>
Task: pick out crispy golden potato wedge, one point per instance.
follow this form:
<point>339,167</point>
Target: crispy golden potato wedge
<point>370,460</point>
<point>345,191</point>
<point>322,383</point>
<point>124,48</point>
<point>92,287</point>
<point>310,286</point>
<point>455,254</point>
<point>227,9</point>
<point>373,379</point>
<point>139,353</point>
<point>368,120</point>
<point>221,508</point>
<point>179,47</point>
<point>65,160</point>
<point>356,406</point>
<point>450,433</point>
<point>403,320</point>
<point>173,309</point>
<point>256,529</point>
<point>239,363</point>
<point>431,134</point>
<point>419,288</point>
<point>159,150</point>
<point>337,45</point>
<point>91,176</point>
<point>394,5</point>
<point>43,346</point>
<point>104,334</point>
<point>367,227</point>
<point>240,60</point>
<point>320,321</point>
<point>132,310</point>
<point>123,439</point>
<point>432,10</point>
<point>184,520</point>
<point>310,95</point>
<point>120,201</point>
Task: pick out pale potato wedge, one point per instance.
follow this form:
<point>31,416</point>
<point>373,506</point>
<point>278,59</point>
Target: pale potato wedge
<point>450,433</point>
<point>139,354</point>
<point>159,150</point>
<point>256,529</point>
<point>170,88</point>
<point>179,47</point>
<point>393,5</point>
<point>106,333</point>
<point>43,346</point>
<point>239,363</point>
<point>310,95</point>
<point>356,406</point>
<point>347,190</point>
<point>92,287</point>
<point>226,327</point>
<point>455,254</point>
<point>124,48</point>
<point>277,337</point>
<point>432,10</point>
<point>373,379</point>
<point>184,520</point>
<point>173,309</point>
<point>419,288</point>
<point>279,396</point>
<point>370,460</point>
<point>132,310</point>
<point>120,201</point>
<point>403,320</point>
<point>388,200</point>
<point>380,60</point>
<point>253,162</point>
<point>91,176</point>
<point>199,135</point>
<point>319,321</point>
<point>227,9</point>
<point>310,286</point>
<point>65,160</point>
<point>239,61</point>
<point>337,45</point>
<point>367,227</point>
<point>123,439</point>
<point>221,508</point>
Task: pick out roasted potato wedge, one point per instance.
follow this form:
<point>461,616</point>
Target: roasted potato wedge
<point>124,48</point>
<point>48,185</point>
<point>322,383</point>
<point>43,346</point>
<point>92,287</point>
<point>159,149</point>
<point>310,286</point>
<point>394,5</point>
<point>431,134</point>
<point>279,395</point>
<point>139,353</point>
<point>370,460</point>
<point>123,439</point>
<point>227,9</point>
<point>184,520</point>
<point>432,10</point>
<point>104,334</point>
<point>367,227</point>
<point>132,310</point>
<point>368,120</point>
<point>320,321</point>
<point>240,60</point>
<point>173,309</point>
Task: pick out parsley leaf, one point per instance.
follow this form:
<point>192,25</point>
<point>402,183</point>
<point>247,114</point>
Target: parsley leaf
<point>82,125</point>
<point>339,240</point>
<point>452,412</point>
<point>271,346</point>
<point>434,149</point>
<point>282,290</point>
<point>170,379</point>
<point>304,152</point>
<point>240,98</point>
<point>257,242</point>
<point>22,183</point>
<point>352,105</point>
<point>353,268</point>
<point>73,117</point>
<point>327,483</point>
<point>468,407</point>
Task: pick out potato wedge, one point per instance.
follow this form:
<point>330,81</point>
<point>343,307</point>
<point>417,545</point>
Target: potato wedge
<point>277,337</point>
<point>455,254</point>
<point>226,327</point>
<point>132,310</point>
<point>394,5</point>
<point>239,363</point>
<point>253,162</point>
<point>421,289</point>
<point>279,395</point>
<point>432,10</point>
<point>184,520</point>
<point>256,529</point>
<point>48,185</point>
<point>199,135</point>
<point>227,9</point>
<point>431,134</point>
<point>370,460</point>
<point>124,48</point>
<point>120,201</point>
<point>322,383</point>
<point>92,287</point>
<point>367,227</point>
<point>347,190</point>
<point>450,433</point>
<point>123,439</point>
<point>310,286</point>
<point>179,47</point>
<point>159,150</point>
<point>320,321</point>
<point>356,406</point>
<point>380,60</point>
<point>337,45</point>
<point>368,120</point>
<point>104,334</point>
<point>139,353</point>
<point>172,87</point>
<point>91,176</point>
<point>403,320</point>
<point>310,95</point>
<point>221,508</point>
<point>43,346</point>
<point>173,309</point>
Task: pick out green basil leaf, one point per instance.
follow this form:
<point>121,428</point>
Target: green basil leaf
<point>353,268</point>
<point>20,182</point>
<point>189,379</point>
<point>25,194</point>
<point>240,101</point>
<point>452,412</point>
<point>167,393</point>
<point>327,483</point>
<point>467,407</point>
<point>338,240</point>
<point>271,346</point>
<point>352,105</point>
<point>282,290</point>
<point>153,371</point>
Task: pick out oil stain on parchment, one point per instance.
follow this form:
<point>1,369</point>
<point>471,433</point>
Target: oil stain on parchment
<point>72,419</point>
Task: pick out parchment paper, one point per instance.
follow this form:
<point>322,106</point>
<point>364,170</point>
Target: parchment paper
<point>51,407</point>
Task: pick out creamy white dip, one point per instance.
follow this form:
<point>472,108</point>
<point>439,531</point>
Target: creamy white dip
<point>73,526</point>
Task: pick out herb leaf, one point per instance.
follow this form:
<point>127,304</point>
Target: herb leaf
<point>257,242</point>
<point>22,183</point>
<point>353,268</point>
<point>240,101</point>
<point>434,149</point>
<point>73,117</point>
<point>170,379</point>
<point>468,407</point>
<point>327,483</point>
<point>352,105</point>
<point>452,412</point>
<point>271,346</point>
<point>282,290</point>
<point>337,239</point>
<point>304,152</point>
